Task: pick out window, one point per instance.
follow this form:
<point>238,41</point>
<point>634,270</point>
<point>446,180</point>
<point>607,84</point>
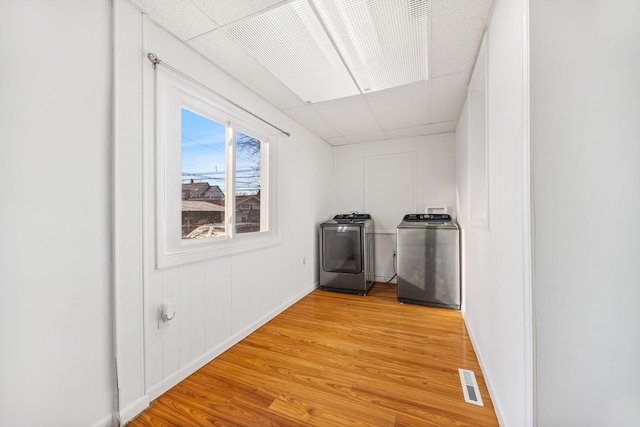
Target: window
<point>214,190</point>
<point>204,159</point>
<point>207,173</point>
<point>248,175</point>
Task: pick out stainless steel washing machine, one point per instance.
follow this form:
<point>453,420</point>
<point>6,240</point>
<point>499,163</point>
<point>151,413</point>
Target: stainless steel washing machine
<point>346,254</point>
<point>428,258</point>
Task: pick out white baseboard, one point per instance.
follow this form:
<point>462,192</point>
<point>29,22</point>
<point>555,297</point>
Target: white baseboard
<point>169,382</point>
<point>134,409</point>
<point>485,374</point>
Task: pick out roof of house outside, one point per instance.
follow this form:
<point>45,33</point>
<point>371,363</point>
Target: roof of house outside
<point>200,190</point>
<point>199,206</point>
<point>247,199</point>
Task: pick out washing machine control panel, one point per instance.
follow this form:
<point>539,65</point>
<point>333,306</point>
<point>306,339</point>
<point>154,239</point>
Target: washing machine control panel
<point>352,217</point>
<point>427,218</point>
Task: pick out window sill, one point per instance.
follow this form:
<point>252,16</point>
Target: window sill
<point>191,251</point>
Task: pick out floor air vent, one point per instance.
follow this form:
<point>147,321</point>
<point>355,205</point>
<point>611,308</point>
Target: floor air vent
<point>470,387</point>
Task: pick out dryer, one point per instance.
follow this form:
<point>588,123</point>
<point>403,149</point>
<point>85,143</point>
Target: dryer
<point>347,254</point>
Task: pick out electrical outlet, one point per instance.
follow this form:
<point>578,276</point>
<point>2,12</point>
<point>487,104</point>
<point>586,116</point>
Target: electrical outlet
<point>166,313</point>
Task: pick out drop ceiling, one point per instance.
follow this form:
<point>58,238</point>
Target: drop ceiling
<point>394,69</point>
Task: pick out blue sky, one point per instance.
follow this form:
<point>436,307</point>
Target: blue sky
<point>203,152</point>
<point>203,146</point>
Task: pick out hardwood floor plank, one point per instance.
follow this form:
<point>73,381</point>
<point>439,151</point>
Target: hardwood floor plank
<point>318,414</point>
<point>336,360</point>
<point>311,392</point>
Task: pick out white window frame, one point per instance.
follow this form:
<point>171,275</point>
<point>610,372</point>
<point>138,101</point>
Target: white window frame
<point>173,93</point>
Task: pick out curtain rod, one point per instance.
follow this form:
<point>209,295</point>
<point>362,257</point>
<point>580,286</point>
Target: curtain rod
<point>157,61</point>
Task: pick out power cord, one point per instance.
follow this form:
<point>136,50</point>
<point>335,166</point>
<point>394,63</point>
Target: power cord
<point>394,269</point>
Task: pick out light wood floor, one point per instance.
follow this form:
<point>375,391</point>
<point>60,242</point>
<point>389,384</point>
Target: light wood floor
<point>336,360</point>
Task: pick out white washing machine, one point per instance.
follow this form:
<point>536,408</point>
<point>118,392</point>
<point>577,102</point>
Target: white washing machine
<point>346,254</point>
<point>428,257</point>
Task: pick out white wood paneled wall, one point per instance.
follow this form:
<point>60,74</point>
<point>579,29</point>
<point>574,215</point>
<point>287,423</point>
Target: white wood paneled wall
<point>496,296</point>
<point>220,300</point>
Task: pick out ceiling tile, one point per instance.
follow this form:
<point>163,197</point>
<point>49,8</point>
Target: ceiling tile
<point>221,12</point>
<point>349,116</point>
<point>220,48</point>
<point>367,137</point>
<point>457,27</point>
<point>291,43</point>
<point>313,122</point>
<point>442,127</point>
<point>401,107</point>
<point>180,17</point>
<point>447,95</point>
<point>338,140</point>
<point>408,132</point>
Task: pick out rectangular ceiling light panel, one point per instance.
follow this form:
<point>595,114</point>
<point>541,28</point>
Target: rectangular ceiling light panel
<point>290,42</point>
<point>383,42</point>
<point>328,49</point>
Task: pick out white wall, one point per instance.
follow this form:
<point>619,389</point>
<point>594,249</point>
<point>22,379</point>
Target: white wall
<point>495,258</point>
<point>55,315</point>
<point>220,300</point>
<point>585,86</point>
<point>389,179</point>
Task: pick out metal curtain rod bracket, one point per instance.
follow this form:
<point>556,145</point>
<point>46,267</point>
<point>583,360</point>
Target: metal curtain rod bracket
<point>153,58</point>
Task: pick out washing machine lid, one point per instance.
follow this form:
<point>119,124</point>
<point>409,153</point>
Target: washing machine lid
<point>352,217</point>
<point>427,220</point>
